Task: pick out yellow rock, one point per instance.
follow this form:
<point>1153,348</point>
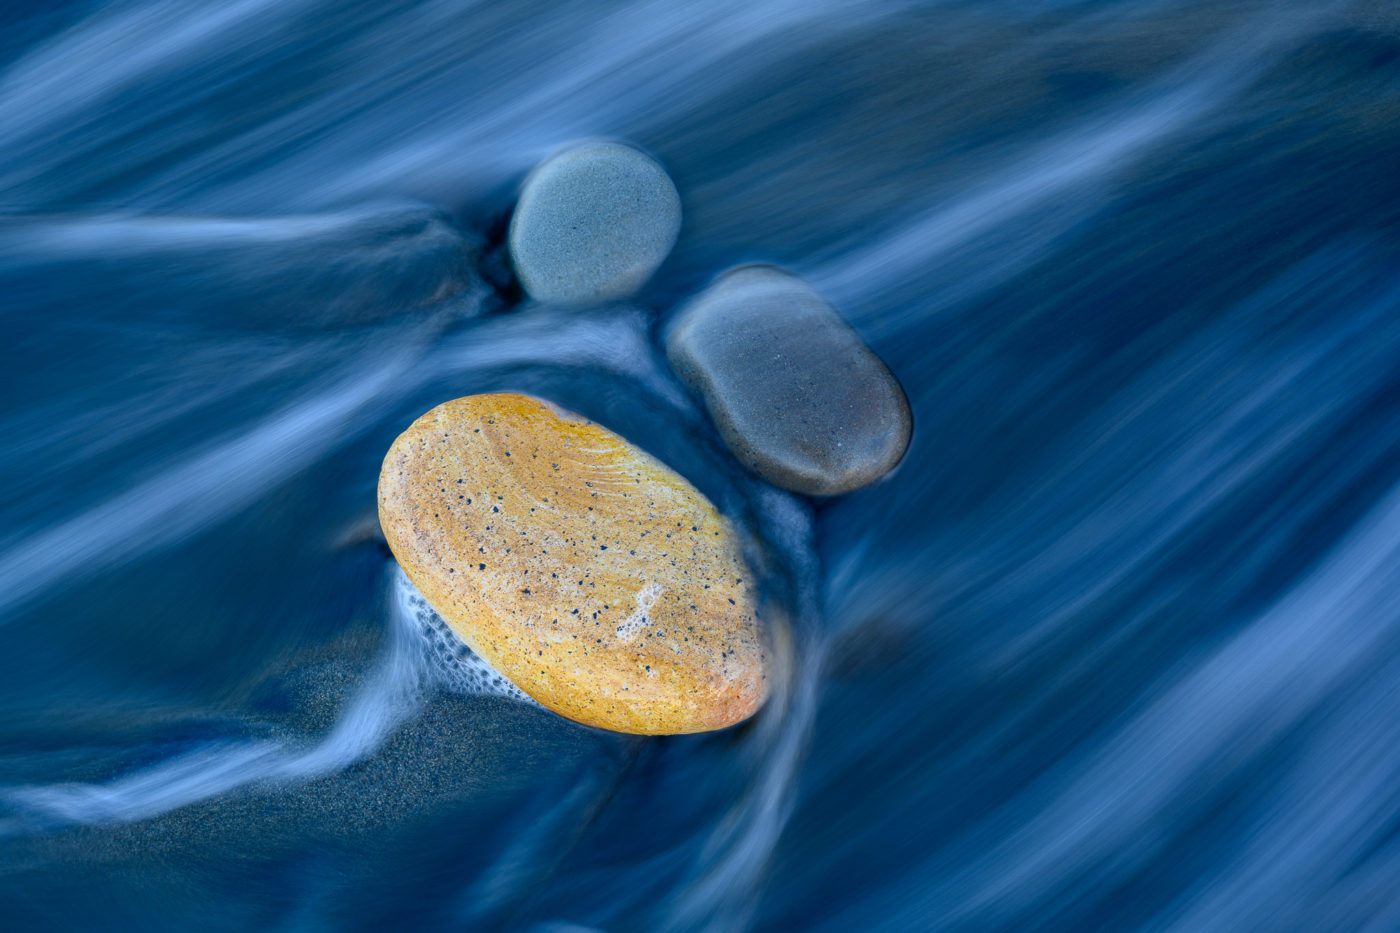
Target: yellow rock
<point>597,579</point>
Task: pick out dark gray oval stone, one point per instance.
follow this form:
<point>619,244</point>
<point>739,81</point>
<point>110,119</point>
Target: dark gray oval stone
<point>592,224</point>
<point>794,391</point>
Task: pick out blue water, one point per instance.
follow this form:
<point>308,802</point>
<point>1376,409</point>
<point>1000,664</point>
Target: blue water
<point>1117,647</point>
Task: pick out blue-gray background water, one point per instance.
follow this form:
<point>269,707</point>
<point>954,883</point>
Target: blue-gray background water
<point>1117,647</point>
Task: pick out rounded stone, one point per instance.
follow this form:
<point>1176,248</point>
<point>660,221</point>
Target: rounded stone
<point>592,224</point>
<point>795,393</point>
<point>591,575</point>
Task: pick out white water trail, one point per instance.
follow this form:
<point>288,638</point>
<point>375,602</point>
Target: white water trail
<point>391,695</point>
<point>644,58</point>
<point>625,66</point>
<point>200,490</point>
<point>724,893</point>
<point>1067,176</point>
<point>1305,663</point>
<point>1243,696</point>
<point>616,341</point>
<point>75,77</point>
<point>740,847</point>
<point>105,236</point>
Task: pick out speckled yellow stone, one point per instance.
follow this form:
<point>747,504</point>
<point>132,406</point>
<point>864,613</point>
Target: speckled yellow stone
<point>595,578</point>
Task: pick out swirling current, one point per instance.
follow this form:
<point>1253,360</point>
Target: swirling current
<point>1116,647</point>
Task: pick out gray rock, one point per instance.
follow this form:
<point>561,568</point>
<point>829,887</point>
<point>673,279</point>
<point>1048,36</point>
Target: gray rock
<point>794,391</point>
<point>592,224</point>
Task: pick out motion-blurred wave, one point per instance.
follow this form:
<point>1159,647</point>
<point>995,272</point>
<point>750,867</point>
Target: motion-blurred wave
<point>1115,648</point>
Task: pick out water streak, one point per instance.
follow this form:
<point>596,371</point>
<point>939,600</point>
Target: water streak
<point>413,663</point>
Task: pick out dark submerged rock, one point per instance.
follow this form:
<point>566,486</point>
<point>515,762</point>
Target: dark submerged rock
<point>794,391</point>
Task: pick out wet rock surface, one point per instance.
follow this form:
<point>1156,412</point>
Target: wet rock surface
<point>592,224</point>
<point>588,573</point>
<point>794,391</point>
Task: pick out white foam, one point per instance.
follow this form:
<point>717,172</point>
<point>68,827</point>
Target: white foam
<point>634,623</point>
<point>449,662</point>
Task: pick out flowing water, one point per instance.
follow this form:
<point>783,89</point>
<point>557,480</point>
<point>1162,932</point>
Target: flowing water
<point>1116,647</point>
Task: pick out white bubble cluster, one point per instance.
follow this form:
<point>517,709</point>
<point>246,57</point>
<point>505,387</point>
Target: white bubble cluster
<point>634,623</point>
<point>450,663</point>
